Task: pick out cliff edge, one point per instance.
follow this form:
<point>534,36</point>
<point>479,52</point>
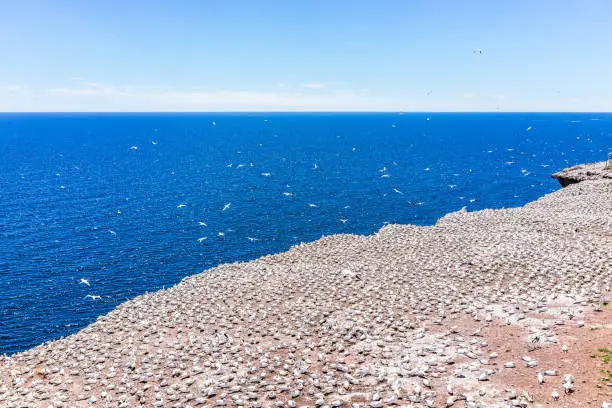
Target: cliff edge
<point>576,174</point>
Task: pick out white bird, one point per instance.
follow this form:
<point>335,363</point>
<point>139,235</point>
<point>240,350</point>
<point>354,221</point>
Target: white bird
<point>201,239</point>
<point>181,205</point>
<point>565,348</point>
<point>287,194</point>
<point>529,128</point>
<point>452,185</point>
<point>555,395</point>
<point>213,123</point>
<point>449,388</point>
<point>354,149</point>
<point>426,169</point>
<point>153,142</point>
<point>385,176</point>
<point>397,191</point>
<point>605,405</point>
<point>93,297</point>
<point>221,234</point>
<point>540,378</point>
<point>266,174</point>
<point>316,166</point>
<point>312,205</point>
<point>383,169</point>
<point>252,239</point>
<point>112,232</point>
<point>226,206</point>
<point>134,148</point>
<point>239,166</point>
<point>203,224</point>
<point>343,220</point>
<point>84,281</point>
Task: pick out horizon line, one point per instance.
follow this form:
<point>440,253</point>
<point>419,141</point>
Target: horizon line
<point>398,112</point>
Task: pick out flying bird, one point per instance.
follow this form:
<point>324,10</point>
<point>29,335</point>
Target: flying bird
<point>226,206</point>
<point>181,205</point>
<point>84,281</point>
<point>93,297</point>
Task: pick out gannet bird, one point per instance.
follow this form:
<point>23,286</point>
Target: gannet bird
<point>354,149</point>
<point>252,239</point>
<point>221,234</point>
<point>316,166</point>
<point>266,174</point>
<point>93,297</point>
<point>230,165</point>
<point>213,123</point>
<point>397,191</point>
<point>201,239</point>
<point>383,169</point>
<point>555,395</point>
<point>312,205</point>
<point>181,205</point>
<point>343,220</point>
<point>385,176</point>
<point>239,166</point>
<point>153,142</point>
<point>84,281</point>
<point>540,378</point>
<point>287,194</point>
<point>112,232</point>
<point>452,185</point>
<point>203,224</point>
<point>426,169</point>
<point>226,206</point>
<point>529,128</point>
<point>134,148</point>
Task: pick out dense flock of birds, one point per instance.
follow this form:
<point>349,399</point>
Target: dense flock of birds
<point>398,318</point>
<point>382,172</point>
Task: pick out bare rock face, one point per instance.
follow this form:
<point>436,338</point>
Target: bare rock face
<point>576,174</point>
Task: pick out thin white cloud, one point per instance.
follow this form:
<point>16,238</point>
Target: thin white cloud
<point>314,85</point>
<point>10,88</point>
<point>99,97</point>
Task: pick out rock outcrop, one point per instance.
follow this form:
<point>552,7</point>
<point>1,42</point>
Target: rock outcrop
<point>576,174</point>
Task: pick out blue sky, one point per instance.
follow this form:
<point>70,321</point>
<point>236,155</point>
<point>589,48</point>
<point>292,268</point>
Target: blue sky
<point>311,55</point>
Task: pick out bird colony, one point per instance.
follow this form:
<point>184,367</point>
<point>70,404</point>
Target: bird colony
<point>395,319</point>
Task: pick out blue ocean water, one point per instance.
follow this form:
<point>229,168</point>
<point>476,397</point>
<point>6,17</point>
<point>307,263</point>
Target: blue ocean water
<point>135,202</point>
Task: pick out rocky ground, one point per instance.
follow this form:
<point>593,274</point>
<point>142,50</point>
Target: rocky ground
<point>474,311</point>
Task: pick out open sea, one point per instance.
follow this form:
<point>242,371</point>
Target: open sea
<point>96,209</point>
